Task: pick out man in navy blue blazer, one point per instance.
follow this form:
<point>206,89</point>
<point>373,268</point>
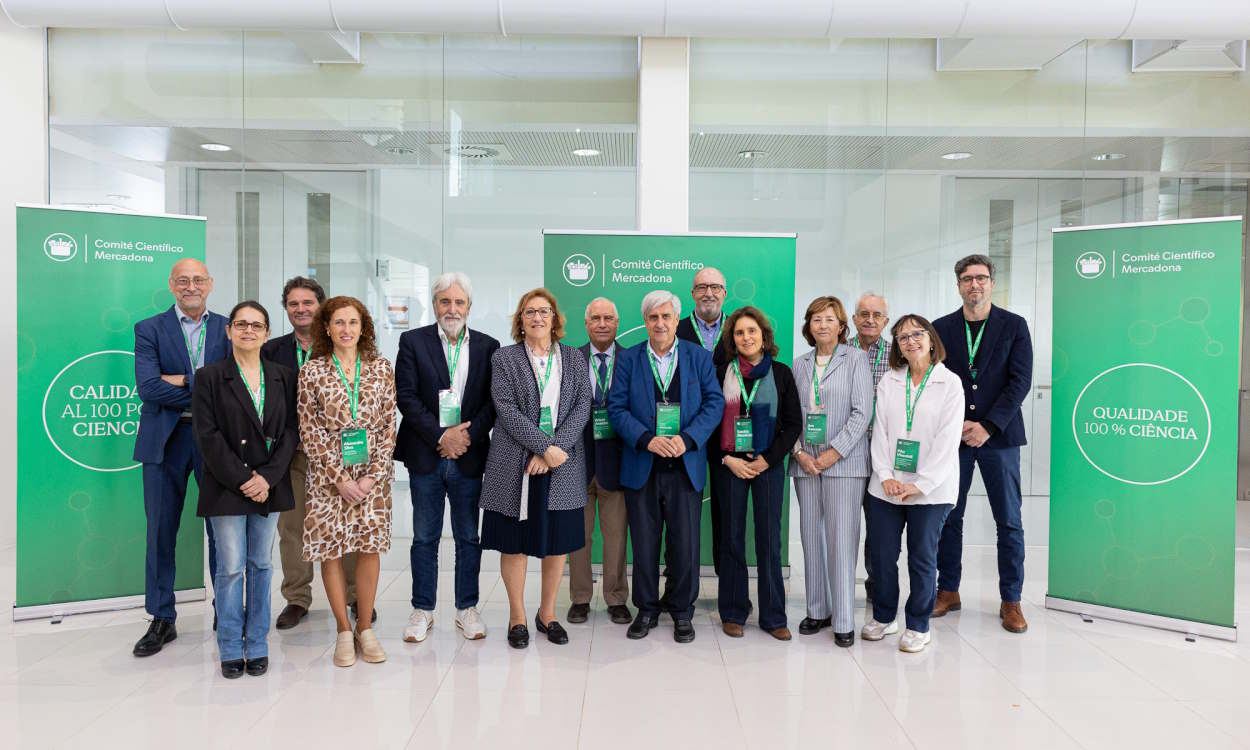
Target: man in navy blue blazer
<point>169,348</point>
<point>991,352</point>
<point>442,386</point>
<point>664,405</point>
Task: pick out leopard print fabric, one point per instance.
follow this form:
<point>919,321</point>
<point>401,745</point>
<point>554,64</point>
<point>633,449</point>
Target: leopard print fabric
<point>334,526</point>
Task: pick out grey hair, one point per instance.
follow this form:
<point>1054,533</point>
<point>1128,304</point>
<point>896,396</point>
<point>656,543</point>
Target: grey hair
<point>871,293</point>
<point>450,279</point>
<point>601,299</point>
<point>659,298</point>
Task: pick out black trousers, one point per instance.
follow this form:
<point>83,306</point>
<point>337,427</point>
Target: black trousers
<point>668,506</point>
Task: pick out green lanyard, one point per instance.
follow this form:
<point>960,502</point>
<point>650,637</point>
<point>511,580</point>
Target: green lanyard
<point>695,323</point>
<point>655,371</point>
<point>876,363</point>
<point>973,346</point>
<point>258,399</point>
<point>453,360</point>
<point>301,355</point>
<point>911,405</point>
<point>746,399</point>
<point>603,384</point>
<point>353,393</point>
<point>817,377</point>
<point>199,349</point>
<point>546,378</point>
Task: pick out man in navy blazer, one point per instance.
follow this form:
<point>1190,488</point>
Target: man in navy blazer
<point>664,405</point>
<point>169,348</point>
<point>603,476</point>
<point>442,385</point>
<point>991,352</point>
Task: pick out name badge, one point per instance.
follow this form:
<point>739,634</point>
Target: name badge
<point>906,455</point>
<point>545,421</point>
<point>744,439</point>
<point>667,419</point>
<point>814,429</point>
<point>448,409</point>
<point>355,445</point>
<point>600,424</point>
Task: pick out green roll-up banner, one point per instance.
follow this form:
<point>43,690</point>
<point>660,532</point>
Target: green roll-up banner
<point>1147,338</point>
<point>625,266</point>
<point>84,278</point>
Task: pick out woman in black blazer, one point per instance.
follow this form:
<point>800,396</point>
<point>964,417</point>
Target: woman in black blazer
<point>243,411</point>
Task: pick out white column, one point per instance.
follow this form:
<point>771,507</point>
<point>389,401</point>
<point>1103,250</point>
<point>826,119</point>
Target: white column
<point>663,135</point>
<point>24,179</point>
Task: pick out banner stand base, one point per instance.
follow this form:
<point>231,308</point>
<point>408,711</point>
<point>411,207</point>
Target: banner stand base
<point>56,612</point>
<point>1190,629</point>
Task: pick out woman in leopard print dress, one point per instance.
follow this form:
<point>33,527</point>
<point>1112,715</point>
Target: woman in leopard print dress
<point>347,426</point>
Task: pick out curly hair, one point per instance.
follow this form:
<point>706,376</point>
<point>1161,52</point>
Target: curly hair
<point>322,345</point>
<point>518,317</point>
<point>767,344</point>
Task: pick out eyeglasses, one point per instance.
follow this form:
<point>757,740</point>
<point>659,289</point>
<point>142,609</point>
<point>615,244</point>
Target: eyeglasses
<point>979,278</point>
<point>182,282</point>
<point>704,288</point>
<point>243,325</point>
<point>541,313</point>
<point>869,315</point>
<point>903,338</point>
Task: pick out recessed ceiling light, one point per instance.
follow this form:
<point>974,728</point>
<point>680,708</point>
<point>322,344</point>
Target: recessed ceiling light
<point>117,197</point>
<point>1108,157</point>
<point>701,134</point>
<point>214,147</point>
<point>957,156</point>
<point>473,152</point>
<point>752,153</point>
<point>586,152</point>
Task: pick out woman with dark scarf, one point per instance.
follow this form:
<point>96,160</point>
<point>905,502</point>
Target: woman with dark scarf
<point>762,421</point>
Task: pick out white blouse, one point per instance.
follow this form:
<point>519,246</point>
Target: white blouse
<point>937,425</point>
<point>550,397</point>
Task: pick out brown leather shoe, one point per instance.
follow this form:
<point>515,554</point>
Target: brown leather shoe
<point>947,601</point>
<point>290,617</point>
<point>781,634</point>
<point>1012,617</point>
<point>732,629</point>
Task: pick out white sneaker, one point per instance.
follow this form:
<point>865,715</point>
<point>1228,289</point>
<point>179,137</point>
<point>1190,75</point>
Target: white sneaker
<point>875,631</point>
<point>470,624</point>
<point>419,624</point>
<point>913,642</point>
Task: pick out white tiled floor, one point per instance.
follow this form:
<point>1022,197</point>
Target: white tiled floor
<point>1064,684</point>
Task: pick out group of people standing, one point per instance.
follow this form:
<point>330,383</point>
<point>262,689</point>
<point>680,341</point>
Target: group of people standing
<point>530,443</point>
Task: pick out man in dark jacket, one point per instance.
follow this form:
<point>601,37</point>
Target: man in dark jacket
<point>991,352</point>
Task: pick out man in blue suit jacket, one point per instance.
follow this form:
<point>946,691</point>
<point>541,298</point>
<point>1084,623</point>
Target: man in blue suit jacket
<point>664,405</point>
<point>991,352</point>
<point>169,348</point>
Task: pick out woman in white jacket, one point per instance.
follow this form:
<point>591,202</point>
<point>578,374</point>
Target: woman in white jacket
<point>915,477</point>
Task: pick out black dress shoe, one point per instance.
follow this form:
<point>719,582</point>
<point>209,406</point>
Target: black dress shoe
<point>257,667</point>
<point>554,631</point>
<point>290,616</point>
<point>356,613</point>
<point>620,614</point>
<point>232,669</point>
<point>159,633</point>
<point>641,626</point>
<point>578,613</point>
<point>811,625</point>
<point>518,636</point>
<point>683,631</point>
<point>845,640</point>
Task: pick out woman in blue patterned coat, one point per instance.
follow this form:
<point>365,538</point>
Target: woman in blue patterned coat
<point>534,489</point>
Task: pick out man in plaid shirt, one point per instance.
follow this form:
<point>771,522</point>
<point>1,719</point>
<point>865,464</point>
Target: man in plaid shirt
<point>870,320</point>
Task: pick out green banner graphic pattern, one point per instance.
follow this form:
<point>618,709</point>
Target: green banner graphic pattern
<point>1147,332</point>
<point>759,271</point>
<point>84,278</point>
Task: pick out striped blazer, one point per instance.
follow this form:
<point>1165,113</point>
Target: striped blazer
<point>846,399</point>
<point>516,437</point>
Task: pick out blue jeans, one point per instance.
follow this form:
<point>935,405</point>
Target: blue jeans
<point>1000,470</point>
<point>885,540</point>
<point>428,491</point>
<point>243,541</point>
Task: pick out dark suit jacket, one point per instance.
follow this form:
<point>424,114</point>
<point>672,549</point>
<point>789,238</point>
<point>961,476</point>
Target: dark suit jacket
<point>420,373</point>
<point>631,407</point>
<point>1004,372</point>
<point>231,438</point>
<point>161,349</point>
<point>603,457</point>
<point>282,351</point>
<point>686,332</point>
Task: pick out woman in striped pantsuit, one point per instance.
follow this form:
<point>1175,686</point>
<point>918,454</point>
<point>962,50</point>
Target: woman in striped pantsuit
<point>830,466</point>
